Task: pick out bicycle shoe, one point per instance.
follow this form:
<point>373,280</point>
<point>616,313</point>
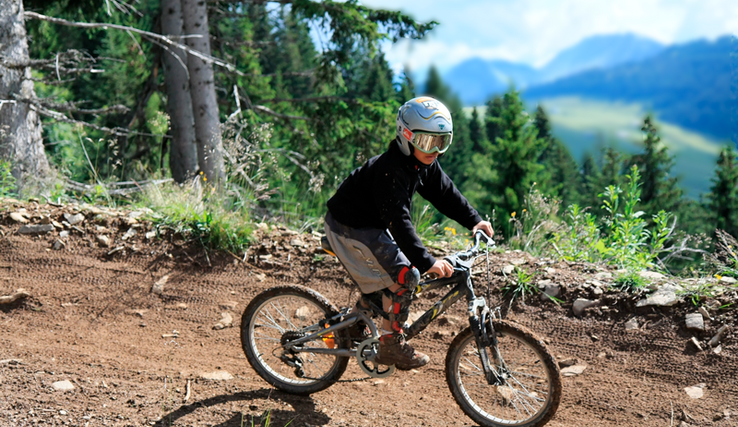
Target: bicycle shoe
<point>394,350</point>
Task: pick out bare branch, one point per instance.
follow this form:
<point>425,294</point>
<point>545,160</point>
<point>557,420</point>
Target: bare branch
<point>271,112</point>
<point>134,188</point>
<point>165,40</point>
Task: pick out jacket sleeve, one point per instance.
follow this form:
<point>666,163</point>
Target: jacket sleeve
<point>391,194</point>
<point>438,189</point>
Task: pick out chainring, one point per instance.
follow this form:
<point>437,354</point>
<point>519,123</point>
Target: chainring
<point>365,354</point>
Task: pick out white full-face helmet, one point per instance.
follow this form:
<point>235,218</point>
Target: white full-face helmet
<point>425,123</point>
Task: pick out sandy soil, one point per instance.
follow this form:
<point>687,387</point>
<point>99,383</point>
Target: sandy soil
<point>93,320</point>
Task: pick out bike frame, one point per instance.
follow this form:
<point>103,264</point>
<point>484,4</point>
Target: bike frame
<point>478,311</point>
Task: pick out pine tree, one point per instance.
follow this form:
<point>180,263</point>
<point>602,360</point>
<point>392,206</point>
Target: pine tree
<point>476,132</point>
<point>723,196</point>
<point>658,190</point>
<point>506,171</point>
<point>560,177</point>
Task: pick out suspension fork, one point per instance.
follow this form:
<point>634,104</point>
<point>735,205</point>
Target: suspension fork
<point>485,338</point>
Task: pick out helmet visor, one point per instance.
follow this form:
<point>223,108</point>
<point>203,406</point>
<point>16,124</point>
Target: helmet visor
<point>432,142</point>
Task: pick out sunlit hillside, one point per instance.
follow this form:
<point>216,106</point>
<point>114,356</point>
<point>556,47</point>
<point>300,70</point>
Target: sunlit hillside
<point>587,126</point>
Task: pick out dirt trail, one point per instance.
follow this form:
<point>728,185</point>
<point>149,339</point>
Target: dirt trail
<point>93,320</point>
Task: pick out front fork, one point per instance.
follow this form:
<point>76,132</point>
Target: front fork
<point>480,320</point>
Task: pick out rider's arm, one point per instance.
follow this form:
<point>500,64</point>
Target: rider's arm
<point>438,189</point>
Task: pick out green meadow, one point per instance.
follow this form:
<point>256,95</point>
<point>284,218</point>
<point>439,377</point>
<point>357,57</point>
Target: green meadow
<point>587,126</point>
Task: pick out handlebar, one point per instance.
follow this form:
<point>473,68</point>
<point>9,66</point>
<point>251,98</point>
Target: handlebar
<point>478,236</point>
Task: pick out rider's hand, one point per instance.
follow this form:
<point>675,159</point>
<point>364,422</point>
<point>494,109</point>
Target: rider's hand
<point>486,227</point>
<point>441,268</point>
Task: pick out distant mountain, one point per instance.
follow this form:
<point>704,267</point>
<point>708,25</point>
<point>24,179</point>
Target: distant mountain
<point>476,79</point>
<point>688,84</point>
<point>602,52</point>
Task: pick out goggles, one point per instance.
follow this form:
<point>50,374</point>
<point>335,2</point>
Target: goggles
<point>430,142</point>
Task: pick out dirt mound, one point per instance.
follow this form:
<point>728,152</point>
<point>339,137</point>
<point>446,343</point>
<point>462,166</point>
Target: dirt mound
<point>141,328</point>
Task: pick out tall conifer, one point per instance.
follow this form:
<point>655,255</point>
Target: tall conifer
<point>723,196</point>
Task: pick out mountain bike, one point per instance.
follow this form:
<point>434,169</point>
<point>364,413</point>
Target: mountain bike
<point>499,373</point>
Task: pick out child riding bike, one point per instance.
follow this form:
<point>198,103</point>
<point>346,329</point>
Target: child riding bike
<point>368,224</point>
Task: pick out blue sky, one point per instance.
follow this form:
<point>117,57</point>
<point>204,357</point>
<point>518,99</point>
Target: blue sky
<point>534,31</point>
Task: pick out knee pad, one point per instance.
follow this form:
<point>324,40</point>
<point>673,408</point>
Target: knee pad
<point>409,277</point>
<point>400,308</point>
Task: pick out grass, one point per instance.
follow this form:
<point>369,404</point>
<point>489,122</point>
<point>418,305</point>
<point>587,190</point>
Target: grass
<point>519,285</point>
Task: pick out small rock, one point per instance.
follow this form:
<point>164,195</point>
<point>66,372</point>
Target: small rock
<point>65,385</point>
<point>15,216</point>
<point>58,244</point>
<point>158,287</point>
<point>603,275</point>
<point>229,304</point>
<point>597,291</point>
<point>550,271</point>
<point>260,276</point>
<point>719,336</point>
<point>581,304</point>
<point>302,312</point>
<point>57,225</point>
<point>551,291</point>
<point>103,241</point>
<point>297,242</point>
<point>695,392</point>
<point>36,229</point>
<point>696,343</point>
<point>695,322</point>
<point>574,370</point>
<point>704,312</point>
<point>216,376</point>
<point>226,321</point>
<point>631,324</point>
<point>74,219</point>
<point>64,234</point>
<point>517,261</point>
<point>565,363</point>
<point>651,275</point>
<point>665,296</point>
<point>542,283</point>
<point>718,349</point>
<point>130,233</point>
<point>150,235</point>
<point>728,279</point>
<point>508,270</point>
<point>20,293</point>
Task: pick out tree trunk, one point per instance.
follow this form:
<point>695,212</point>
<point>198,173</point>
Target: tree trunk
<point>20,127</point>
<point>183,147</point>
<point>202,87</point>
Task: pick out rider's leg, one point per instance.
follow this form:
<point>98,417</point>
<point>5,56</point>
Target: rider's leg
<point>393,349</point>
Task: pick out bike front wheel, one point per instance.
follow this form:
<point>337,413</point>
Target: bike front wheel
<point>527,387</point>
<point>279,315</point>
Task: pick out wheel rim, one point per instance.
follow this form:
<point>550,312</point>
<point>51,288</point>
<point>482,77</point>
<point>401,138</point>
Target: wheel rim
<point>526,388</point>
<point>275,317</point>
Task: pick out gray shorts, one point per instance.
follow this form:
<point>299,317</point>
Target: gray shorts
<point>370,255</point>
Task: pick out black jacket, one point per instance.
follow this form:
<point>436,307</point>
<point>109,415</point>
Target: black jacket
<point>379,195</point>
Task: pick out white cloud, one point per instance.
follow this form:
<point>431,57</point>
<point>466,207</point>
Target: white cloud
<point>534,31</point>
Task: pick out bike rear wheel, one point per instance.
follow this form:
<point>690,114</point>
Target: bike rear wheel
<point>278,315</point>
<point>529,391</point>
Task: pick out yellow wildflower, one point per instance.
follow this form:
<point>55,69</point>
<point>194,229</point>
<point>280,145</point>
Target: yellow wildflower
<point>718,276</point>
<point>512,214</point>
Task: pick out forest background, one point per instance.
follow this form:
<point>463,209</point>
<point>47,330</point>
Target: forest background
<point>294,115</point>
